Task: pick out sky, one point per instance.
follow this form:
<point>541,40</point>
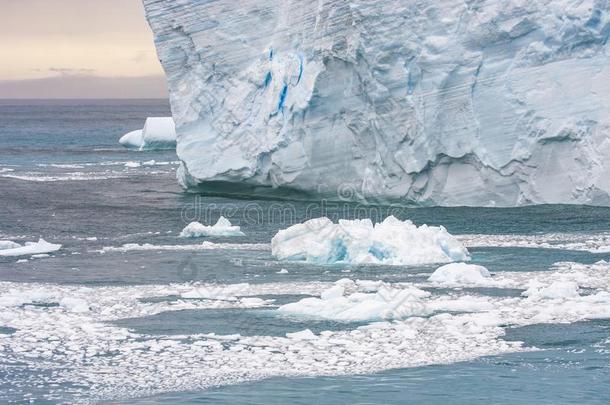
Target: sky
<point>77,49</point>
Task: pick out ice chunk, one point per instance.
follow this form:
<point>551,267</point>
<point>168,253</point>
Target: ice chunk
<point>391,242</point>
<point>460,274</point>
<point>555,290</point>
<point>8,244</point>
<point>223,227</point>
<point>386,304</point>
<point>132,139</point>
<point>133,164</point>
<point>31,248</point>
<point>306,334</point>
<point>158,133</point>
<point>77,305</point>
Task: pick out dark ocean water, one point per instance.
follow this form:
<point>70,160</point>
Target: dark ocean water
<point>64,178</point>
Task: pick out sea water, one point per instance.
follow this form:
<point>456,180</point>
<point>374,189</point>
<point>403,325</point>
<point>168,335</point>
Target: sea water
<point>128,311</point>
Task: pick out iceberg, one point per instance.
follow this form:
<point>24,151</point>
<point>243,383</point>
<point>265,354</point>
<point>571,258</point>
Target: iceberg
<point>391,242</point>
<point>458,274</point>
<point>30,248</point>
<point>223,227</point>
<point>426,103</point>
<point>158,133</point>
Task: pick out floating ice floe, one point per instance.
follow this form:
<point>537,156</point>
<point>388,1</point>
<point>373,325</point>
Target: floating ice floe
<point>31,248</point>
<point>555,290</point>
<point>596,275</point>
<point>8,244</point>
<point>385,304</point>
<point>306,334</point>
<point>460,274</point>
<point>158,133</point>
<point>585,242</point>
<point>391,242</point>
<point>130,247</point>
<point>71,330</point>
<point>223,227</point>
<point>40,177</point>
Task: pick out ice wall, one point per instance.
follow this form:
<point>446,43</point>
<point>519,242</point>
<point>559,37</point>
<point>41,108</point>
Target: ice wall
<point>441,102</point>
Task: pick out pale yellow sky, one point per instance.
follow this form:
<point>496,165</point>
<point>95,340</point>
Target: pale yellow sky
<point>63,38</point>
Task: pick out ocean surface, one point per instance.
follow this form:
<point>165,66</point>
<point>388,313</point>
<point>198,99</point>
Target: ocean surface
<point>128,312</point>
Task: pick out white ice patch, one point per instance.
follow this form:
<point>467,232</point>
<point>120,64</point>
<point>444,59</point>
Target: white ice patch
<point>391,242</point>
<point>223,227</point>
<point>131,247</point>
<point>72,176</point>
<point>68,330</point>
<point>594,243</point>
<point>31,248</point>
<point>460,274</point>
<point>556,290</point>
<point>133,165</point>
<point>132,139</point>
<point>302,335</point>
<point>385,304</point>
<point>8,244</point>
<point>158,133</point>
<point>77,305</point>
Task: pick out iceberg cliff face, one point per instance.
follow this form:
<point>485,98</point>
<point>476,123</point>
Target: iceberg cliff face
<point>434,103</point>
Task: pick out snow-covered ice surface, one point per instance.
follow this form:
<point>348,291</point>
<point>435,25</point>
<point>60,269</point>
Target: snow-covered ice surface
<point>222,227</point>
<point>392,242</point>
<point>158,133</point>
<point>489,103</point>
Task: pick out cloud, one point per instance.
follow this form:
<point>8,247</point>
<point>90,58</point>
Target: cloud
<point>78,84</point>
<point>72,72</point>
<point>141,56</point>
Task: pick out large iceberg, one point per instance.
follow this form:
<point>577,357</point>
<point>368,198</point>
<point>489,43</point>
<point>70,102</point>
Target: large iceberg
<point>391,242</point>
<point>448,102</point>
<point>158,133</point>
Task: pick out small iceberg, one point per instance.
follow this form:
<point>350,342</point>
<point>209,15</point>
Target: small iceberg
<point>391,242</point>
<point>30,248</point>
<point>458,274</point>
<point>223,227</point>
<point>158,133</point>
